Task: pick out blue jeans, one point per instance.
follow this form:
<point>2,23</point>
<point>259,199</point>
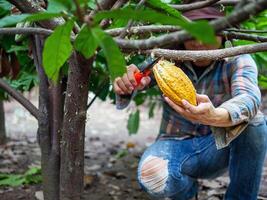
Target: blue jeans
<point>170,167</point>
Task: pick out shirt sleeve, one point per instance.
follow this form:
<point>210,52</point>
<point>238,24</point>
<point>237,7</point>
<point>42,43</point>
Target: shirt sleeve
<point>245,101</point>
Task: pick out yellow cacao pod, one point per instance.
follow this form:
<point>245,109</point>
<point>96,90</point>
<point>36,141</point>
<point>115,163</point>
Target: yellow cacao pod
<point>174,83</point>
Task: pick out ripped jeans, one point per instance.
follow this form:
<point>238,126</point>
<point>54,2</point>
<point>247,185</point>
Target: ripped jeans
<point>170,167</point>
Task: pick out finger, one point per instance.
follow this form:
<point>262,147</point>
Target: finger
<point>117,90</point>
<point>130,73</point>
<point>202,98</point>
<point>144,82</point>
<point>200,109</point>
<point>127,83</point>
<point>176,107</point>
<point>122,86</point>
<point>132,68</point>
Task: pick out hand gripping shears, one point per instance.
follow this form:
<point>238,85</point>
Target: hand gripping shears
<point>145,68</point>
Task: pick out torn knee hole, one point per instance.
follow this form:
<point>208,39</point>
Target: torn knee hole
<point>154,173</point>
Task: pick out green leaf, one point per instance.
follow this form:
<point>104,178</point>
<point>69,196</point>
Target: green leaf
<point>14,19</point>
<point>57,50</point>
<point>60,5</point>
<point>85,42</point>
<point>42,16</point>
<point>194,28</point>
<point>5,7</point>
<point>115,59</point>
<point>197,28</point>
<point>133,122</point>
<point>137,15</point>
<point>168,9</point>
<point>11,180</point>
<point>151,110</point>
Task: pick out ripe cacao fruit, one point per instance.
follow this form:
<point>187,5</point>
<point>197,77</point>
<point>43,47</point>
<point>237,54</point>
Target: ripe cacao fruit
<point>174,83</point>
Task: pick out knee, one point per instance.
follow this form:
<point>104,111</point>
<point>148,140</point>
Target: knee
<point>153,174</point>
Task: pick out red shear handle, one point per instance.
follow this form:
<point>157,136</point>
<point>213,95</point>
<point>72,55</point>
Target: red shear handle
<point>139,75</point>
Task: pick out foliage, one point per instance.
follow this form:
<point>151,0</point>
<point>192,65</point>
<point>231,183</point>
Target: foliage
<point>91,40</point>
<point>31,176</point>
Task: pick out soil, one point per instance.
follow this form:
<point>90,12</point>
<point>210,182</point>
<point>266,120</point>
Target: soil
<point>111,154</point>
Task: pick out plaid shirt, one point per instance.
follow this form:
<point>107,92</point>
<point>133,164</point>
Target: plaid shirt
<point>230,84</point>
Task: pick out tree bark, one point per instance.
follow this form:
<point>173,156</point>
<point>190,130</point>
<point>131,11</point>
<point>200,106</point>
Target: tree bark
<point>2,124</point>
<point>72,142</point>
<point>50,102</point>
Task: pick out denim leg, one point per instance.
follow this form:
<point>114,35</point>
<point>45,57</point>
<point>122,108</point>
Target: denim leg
<point>208,162</point>
<point>159,170</point>
<point>247,153</point>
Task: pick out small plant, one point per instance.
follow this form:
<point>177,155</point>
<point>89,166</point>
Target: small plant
<point>31,176</point>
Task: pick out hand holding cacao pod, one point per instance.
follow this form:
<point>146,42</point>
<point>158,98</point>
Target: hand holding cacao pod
<point>174,83</point>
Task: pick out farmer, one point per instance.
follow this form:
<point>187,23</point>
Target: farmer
<point>225,131</point>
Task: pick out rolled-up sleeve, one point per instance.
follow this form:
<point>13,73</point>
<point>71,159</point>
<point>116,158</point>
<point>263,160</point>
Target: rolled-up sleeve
<point>245,101</point>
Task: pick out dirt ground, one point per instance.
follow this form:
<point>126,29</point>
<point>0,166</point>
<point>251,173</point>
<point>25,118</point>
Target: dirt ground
<point>111,155</point>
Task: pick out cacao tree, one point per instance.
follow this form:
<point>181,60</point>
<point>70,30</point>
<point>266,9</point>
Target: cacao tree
<point>82,45</point>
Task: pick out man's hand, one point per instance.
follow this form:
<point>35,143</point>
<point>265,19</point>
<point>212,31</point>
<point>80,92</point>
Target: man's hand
<point>126,84</point>
<point>204,113</point>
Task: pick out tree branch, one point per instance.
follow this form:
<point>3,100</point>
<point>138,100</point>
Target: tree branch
<point>143,29</point>
<point>20,98</point>
<point>193,6</point>
<point>105,22</point>
<point>180,36</point>
<point>243,36</point>
<point>207,54</point>
<point>29,6</point>
<point>245,30</point>
<point>130,22</point>
<point>25,31</point>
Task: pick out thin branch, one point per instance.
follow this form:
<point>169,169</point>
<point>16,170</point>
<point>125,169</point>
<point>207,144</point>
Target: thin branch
<point>130,22</point>
<point>229,2</point>
<point>143,29</point>
<point>193,6</point>
<point>180,36</point>
<point>79,11</point>
<point>243,36</point>
<point>20,98</point>
<point>25,31</point>
<point>29,6</point>
<point>105,22</point>
<point>246,30</point>
<point>217,54</point>
<point>28,31</point>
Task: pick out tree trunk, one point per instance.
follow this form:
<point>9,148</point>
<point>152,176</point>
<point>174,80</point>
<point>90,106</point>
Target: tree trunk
<point>51,106</point>
<point>72,142</point>
<point>2,124</point>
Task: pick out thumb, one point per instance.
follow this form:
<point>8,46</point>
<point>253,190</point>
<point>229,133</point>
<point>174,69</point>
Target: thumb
<point>201,98</point>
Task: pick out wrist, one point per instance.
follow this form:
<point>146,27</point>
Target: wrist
<point>221,118</point>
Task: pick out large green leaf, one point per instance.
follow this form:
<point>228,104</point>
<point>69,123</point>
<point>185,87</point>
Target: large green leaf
<point>115,59</point>
<point>14,19</point>
<point>133,122</point>
<point>57,50</point>
<point>60,5</point>
<point>5,7</point>
<point>197,29</point>
<point>194,28</point>
<point>85,42</point>
<point>168,9</point>
<point>137,15</point>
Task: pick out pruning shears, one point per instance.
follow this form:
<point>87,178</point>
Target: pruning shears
<point>145,68</point>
